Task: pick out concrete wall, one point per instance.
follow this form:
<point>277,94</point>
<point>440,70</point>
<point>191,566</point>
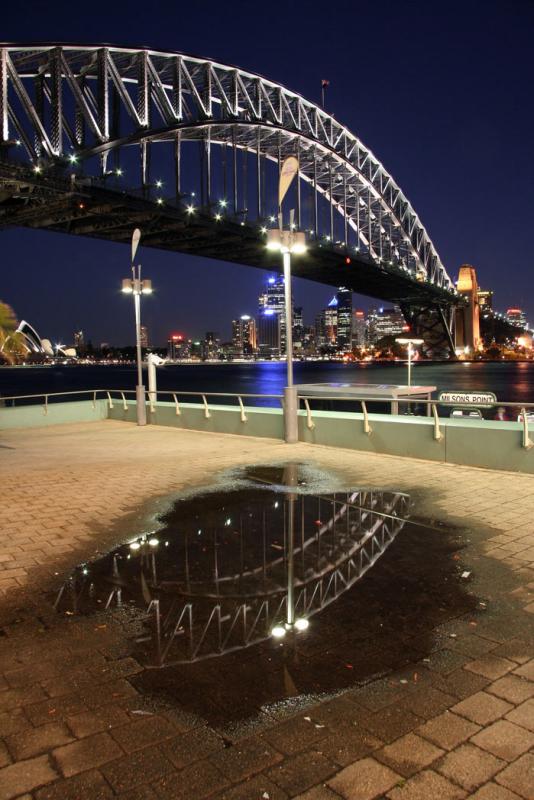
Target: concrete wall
<point>266,422</point>
<point>57,414</point>
<point>471,442</point>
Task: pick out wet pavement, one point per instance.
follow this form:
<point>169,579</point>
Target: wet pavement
<point>416,681</point>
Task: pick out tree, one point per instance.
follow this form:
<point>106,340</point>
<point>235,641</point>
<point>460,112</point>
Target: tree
<point>11,342</point>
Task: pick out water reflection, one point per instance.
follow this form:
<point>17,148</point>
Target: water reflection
<point>230,569</point>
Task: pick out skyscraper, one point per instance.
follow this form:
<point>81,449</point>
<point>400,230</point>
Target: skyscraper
<point>271,318</point>
<point>344,319</point>
<point>144,336</point>
<point>79,342</point>
<point>385,322</point>
<point>244,337</point>
<point>359,329</point>
<point>516,316</point>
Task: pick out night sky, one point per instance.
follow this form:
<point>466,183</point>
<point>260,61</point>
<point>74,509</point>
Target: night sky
<point>442,92</point>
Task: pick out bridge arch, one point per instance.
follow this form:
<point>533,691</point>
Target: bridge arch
<point>84,108</point>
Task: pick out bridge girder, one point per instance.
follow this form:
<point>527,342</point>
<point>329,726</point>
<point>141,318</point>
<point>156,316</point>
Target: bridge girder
<point>91,103</point>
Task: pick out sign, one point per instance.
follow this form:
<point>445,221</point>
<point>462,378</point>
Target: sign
<point>480,399</point>
<point>289,169</point>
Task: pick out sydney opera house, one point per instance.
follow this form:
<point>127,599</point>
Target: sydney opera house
<point>40,349</point>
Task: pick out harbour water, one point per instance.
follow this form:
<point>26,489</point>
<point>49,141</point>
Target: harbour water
<point>510,381</point>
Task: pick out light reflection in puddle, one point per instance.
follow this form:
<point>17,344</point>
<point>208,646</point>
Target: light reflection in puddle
<point>232,568</point>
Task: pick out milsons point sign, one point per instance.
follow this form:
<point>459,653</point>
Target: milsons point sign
<point>480,399</point>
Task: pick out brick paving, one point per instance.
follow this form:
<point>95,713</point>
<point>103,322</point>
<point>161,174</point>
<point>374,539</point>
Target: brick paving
<point>74,725</point>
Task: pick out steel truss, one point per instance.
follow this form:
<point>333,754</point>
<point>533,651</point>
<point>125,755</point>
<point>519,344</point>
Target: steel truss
<point>83,108</point>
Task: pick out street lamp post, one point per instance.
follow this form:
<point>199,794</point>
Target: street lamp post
<point>288,242</point>
<point>137,287</point>
<point>409,343</point>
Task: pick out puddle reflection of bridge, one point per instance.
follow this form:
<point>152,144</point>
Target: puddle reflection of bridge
<point>263,565</point>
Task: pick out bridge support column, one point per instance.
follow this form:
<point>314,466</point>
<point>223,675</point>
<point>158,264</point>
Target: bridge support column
<point>291,427</point>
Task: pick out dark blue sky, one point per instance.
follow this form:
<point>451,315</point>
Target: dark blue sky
<point>442,92</point>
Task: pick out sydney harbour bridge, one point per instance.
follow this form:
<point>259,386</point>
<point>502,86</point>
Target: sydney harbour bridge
<point>98,140</point>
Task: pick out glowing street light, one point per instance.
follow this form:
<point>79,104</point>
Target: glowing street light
<point>288,242</point>
<point>409,342</point>
<point>136,287</point>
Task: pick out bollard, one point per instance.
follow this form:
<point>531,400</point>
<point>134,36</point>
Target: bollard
<point>291,426</point>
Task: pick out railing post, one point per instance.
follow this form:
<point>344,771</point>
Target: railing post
<point>242,407</point>
<point>291,425</point>
<point>94,400</point>
<point>437,430</point>
<point>110,401</point>
<point>309,421</point>
<point>366,426</point>
<point>206,408</point>
<point>124,403</point>
<point>527,442</point>
<point>45,408</point>
<point>178,412</point>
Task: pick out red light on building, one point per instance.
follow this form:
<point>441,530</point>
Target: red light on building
<point>359,314</point>
<point>347,260</point>
<point>513,311</point>
<point>405,327</point>
<point>177,337</point>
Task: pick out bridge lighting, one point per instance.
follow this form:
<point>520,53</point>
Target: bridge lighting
<point>73,158</point>
<point>278,632</point>
<point>118,172</point>
<point>223,203</point>
<point>159,184</point>
<point>153,542</point>
<point>263,230</point>
<point>18,142</point>
<point>218,217</point>
<point>190,209</point>
<point>37,169</point>
<point>302,624</point>
<point>159,201</point>
<point>272,218</point>
<point>135,546</point>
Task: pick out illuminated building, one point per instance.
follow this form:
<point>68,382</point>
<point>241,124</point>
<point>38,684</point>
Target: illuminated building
<point>175,346</point>
<point>210,346</point>
<point>269,333</point>
<point>359,329</point>
<point>144,336</point>
<point>79,342</point>
<point>344,319</point>
<point>385,322</point>
<point>517,317</point>
<point>244,337</point>
<point>485,299</point>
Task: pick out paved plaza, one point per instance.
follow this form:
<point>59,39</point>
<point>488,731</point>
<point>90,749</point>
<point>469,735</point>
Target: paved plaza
<point>456,721</point>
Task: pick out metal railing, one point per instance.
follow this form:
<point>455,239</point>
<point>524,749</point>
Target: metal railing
<point>431,410</point>
<point>152,398</point>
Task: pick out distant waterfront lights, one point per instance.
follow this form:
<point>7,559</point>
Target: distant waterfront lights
<point>223,203</point>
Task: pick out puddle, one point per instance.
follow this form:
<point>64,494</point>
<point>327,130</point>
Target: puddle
<point>251,597</point>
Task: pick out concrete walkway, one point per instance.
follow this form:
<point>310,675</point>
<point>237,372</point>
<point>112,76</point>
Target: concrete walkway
<point>70,725</point>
